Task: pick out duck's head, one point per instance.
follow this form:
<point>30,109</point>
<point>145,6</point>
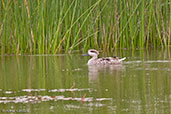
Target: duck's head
<point>92,52</point>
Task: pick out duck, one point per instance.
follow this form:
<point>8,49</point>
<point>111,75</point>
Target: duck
<point>102,61</point>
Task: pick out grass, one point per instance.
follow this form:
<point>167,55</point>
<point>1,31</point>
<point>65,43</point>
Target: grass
<point>54,26</point>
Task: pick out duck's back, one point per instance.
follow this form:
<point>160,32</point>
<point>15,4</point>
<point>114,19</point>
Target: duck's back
<point>110,60</point>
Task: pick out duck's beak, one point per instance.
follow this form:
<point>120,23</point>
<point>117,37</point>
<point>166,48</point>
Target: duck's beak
<point>85,54</point>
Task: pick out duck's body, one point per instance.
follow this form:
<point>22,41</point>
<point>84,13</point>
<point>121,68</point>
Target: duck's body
<point>105,60</point>
<point>102,61</point>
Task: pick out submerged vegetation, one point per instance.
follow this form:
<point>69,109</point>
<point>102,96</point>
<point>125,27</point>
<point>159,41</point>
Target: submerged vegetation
<point>51,26</point>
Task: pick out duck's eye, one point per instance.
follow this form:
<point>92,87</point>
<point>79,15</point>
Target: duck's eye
<point>93,51</point>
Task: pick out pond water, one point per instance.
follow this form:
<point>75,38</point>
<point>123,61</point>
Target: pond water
<point>65,84</point>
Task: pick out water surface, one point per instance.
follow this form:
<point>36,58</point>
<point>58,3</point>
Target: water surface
<point>65,84</point>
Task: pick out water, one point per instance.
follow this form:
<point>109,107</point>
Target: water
<point>65,84</point>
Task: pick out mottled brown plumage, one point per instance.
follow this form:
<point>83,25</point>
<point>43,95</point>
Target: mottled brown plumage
<point>102,61</point>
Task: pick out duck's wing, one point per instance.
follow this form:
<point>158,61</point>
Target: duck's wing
<point>105,60</point>
<point>110,60</point>
<point>117,59</point>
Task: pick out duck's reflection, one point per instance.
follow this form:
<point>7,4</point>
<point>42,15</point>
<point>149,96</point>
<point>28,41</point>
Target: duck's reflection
<point>95,70</point>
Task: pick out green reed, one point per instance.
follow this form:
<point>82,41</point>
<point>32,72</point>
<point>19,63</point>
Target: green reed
<point>55,26</point>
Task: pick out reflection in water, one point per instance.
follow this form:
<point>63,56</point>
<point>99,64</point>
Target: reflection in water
<point>95,70</point>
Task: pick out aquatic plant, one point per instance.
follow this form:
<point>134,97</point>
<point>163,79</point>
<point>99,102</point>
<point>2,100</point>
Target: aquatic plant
<point>55,26</point>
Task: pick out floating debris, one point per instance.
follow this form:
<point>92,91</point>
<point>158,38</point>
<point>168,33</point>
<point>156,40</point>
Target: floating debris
<point>65,90</point>
<point>30,90</point>
<point>39,98</point>
<point>83,98</point>
<point>73,86</point>
<point>8,92</point>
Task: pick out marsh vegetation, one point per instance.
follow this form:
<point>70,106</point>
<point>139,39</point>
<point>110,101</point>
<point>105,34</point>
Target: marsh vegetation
<point>55,26</point>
